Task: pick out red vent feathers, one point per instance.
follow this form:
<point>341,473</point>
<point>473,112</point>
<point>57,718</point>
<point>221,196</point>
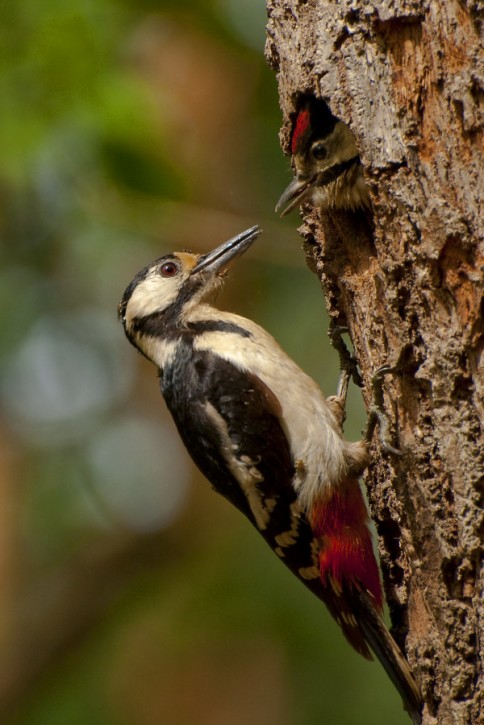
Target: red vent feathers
<point>340,521</point>
<point>302,125</point>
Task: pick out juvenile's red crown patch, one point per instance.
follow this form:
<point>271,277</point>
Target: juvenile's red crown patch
<point>302,124</point>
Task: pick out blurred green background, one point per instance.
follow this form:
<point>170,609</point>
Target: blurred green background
<point>130,593</point>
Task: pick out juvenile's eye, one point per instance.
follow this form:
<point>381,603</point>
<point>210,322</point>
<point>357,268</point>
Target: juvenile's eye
<point>319,151</point>
<point>169,269</point>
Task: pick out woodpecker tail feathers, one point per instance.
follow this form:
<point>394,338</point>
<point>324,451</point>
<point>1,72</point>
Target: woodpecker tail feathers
<point>387,651</point>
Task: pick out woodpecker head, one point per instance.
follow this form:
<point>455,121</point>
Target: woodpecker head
<point>326,161</point>
<point>162,295</point>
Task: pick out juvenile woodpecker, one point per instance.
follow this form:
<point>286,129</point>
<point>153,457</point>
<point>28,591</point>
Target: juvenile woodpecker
<point>263,434</point>
<point>328,170</point>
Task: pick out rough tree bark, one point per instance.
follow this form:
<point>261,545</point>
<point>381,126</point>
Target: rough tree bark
<point>404,74</point>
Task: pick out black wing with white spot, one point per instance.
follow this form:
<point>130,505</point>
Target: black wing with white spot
<point>229,421</point>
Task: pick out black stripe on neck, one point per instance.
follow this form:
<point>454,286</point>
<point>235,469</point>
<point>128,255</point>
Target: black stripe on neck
<point>334,172</point>
<point>198,328</point>
<point>159,324</point>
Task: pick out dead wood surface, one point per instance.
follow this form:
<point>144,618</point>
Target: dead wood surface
<point>407,77</point>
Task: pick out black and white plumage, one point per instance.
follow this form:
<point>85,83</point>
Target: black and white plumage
<point>328,170</point>
<point>263,434</point>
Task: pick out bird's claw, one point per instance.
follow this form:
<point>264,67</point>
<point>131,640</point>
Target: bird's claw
<point>377,414</point>
<point>347,362</point>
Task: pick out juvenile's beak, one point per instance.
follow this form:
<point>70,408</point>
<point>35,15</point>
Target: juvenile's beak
<point>218,260</point>
<point>293,195</point>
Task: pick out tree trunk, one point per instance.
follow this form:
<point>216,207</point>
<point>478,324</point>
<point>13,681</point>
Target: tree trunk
<point>404,75</point>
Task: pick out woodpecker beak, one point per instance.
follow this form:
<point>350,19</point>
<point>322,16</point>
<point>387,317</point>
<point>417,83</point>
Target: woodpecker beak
<point>219,260</point>
<point>294,195</point>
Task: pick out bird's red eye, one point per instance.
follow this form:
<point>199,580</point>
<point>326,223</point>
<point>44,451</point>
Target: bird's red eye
<point>169,269</point>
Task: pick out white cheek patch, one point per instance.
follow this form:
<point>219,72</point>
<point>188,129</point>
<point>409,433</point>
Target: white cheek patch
<point>155,293</point>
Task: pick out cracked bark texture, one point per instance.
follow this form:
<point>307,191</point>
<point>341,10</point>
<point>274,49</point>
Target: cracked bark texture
<point>406,76</point>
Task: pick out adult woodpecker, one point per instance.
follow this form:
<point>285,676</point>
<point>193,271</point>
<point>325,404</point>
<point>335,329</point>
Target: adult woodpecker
<point>329,174</point>
<point>263,434</point>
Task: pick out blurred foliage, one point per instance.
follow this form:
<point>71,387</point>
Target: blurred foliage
<point>129,592</point>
